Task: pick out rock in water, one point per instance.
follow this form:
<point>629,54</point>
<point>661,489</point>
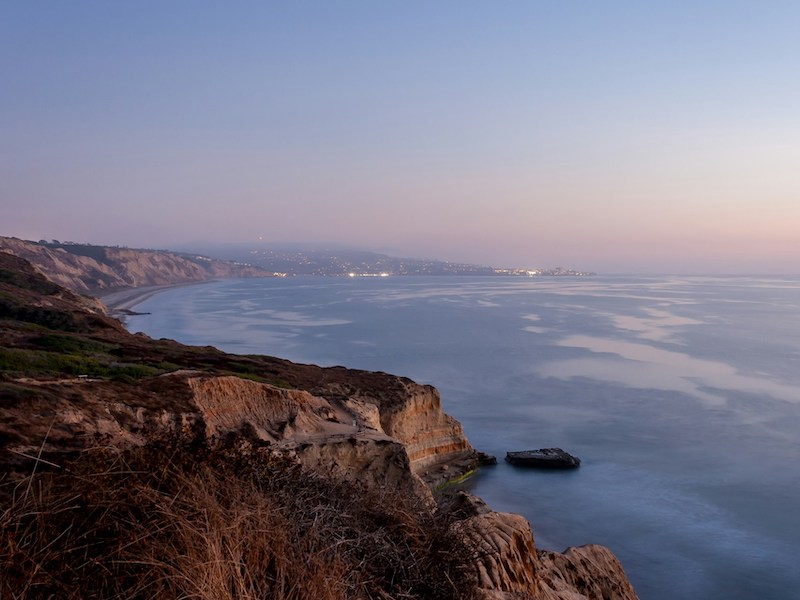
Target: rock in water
<point>545,458</point>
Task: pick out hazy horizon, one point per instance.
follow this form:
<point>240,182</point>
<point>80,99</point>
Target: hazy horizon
<point>619,137</point>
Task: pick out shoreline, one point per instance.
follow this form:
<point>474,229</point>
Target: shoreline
<point>120,301</point>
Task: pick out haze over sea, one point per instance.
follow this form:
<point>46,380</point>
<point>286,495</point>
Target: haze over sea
<point>680,394</point>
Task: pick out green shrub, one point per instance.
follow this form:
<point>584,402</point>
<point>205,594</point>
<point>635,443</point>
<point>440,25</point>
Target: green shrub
<point>56,342</point>
<point>32,363</point>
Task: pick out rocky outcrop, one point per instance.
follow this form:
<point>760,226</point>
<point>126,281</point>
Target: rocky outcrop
<point>506,553</point>
<point>590,572</point>
<point>509,567</point>
<point>408,412</point>
<point>325,435</point>
<point>544,458</point>
<point>272,414</point>
<point>84,268</point>
<point>401,410</point>
<point>432,438</point>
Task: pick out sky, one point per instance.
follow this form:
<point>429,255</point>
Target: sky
<point>618,137</point>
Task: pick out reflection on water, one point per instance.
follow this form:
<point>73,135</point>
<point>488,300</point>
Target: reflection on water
<point>646,367</point>
<point>658,326</point>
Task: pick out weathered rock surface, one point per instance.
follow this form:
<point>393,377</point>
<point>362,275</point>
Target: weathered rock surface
<point>324,435</point>
<point>544,458</point>
<point>506,552</point>
<point>509,566</point>
<point>590,572</point>
<point>397,407</point>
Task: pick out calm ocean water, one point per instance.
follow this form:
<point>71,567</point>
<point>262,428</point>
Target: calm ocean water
<point>680,394</point>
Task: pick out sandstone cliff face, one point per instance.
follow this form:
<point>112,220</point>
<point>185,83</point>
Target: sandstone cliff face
<point>506,551</point>
<point>233,404</point>
<point>412,414</point>
<point>325,435</point>
<point>590,571</point>
<point>509,566</point>
<point>109,267</point>
<point>432,438</point>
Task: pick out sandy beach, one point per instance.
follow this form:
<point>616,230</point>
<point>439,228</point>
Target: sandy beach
<point>120,301</point>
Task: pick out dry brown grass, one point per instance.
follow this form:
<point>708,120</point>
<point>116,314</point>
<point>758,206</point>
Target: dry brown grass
<point>184,520</point>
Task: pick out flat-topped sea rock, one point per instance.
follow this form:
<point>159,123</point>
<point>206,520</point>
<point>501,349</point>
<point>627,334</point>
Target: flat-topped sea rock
<point>543,458</point>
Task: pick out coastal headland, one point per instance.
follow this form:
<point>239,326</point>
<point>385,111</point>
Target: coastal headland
<point>104,423</point>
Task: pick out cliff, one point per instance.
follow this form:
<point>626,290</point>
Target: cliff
<point>347,458</point>
<point>87,268</point>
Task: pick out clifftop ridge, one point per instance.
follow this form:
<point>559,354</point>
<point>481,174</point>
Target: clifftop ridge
<point>86,268</point>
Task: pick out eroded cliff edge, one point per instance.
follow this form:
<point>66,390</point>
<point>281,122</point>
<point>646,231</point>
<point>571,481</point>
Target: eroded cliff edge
<point>90,269</point>
<point>73,378</point>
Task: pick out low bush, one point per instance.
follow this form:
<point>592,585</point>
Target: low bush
<point>32,363</point>
<point>55,342</point>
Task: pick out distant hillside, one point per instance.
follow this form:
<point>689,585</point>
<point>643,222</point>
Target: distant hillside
<point>87,268</point>
<point>304,260</point>
<point>344,262</point>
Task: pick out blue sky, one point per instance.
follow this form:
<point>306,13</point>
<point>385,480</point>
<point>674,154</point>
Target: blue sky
<point>613,136</point>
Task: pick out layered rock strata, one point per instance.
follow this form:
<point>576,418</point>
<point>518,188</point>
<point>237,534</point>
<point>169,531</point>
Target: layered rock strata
<point>86,269</point>
<point>509,567</point>
<point>326,435</point>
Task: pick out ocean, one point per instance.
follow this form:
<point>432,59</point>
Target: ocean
<point>681,395</point>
